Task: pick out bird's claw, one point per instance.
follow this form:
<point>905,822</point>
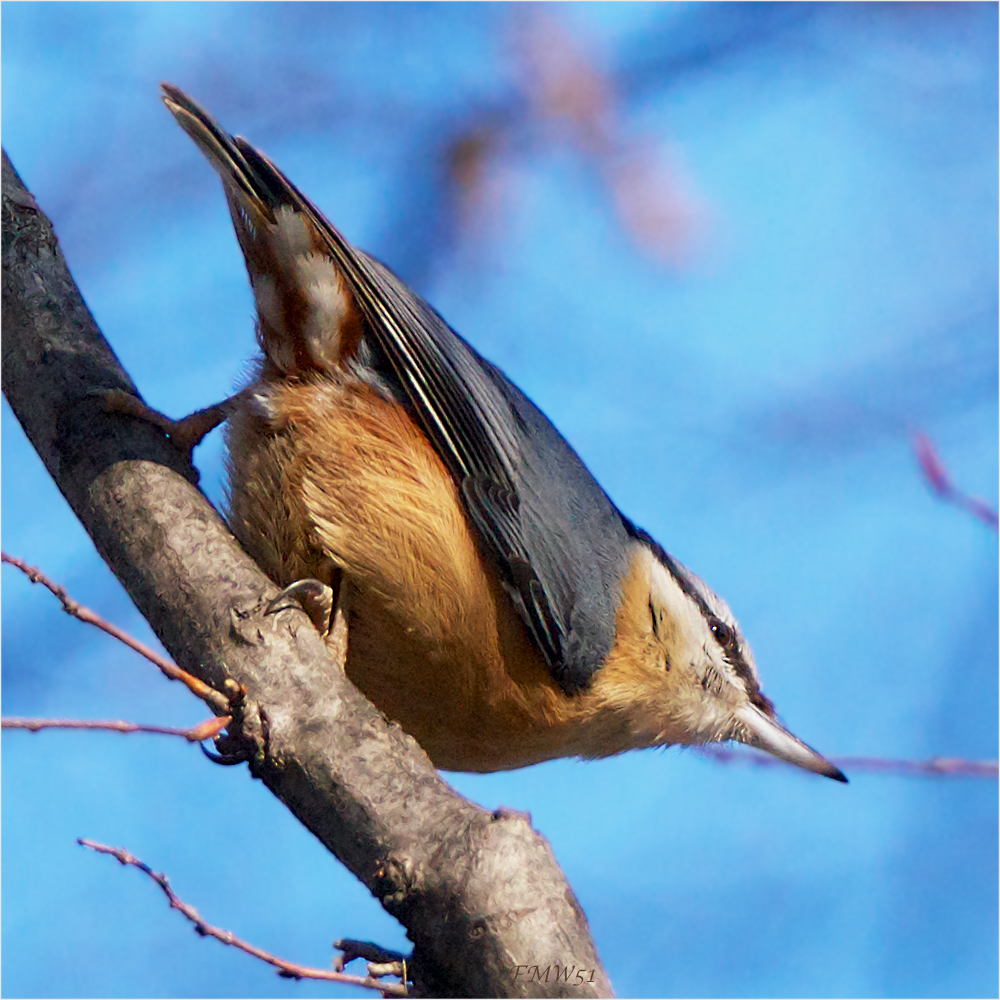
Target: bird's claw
<point>380,961</point>
<point>313,597</point>
<point>243,750</point>
<point>227,759</point>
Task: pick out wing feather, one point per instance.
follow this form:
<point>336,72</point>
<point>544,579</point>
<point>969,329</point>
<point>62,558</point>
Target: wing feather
<point>473,417</point>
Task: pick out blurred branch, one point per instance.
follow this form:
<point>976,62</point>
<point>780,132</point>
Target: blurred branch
<point>573,95</point>
<point>567,98</point>
<point>478,892</point>
<point>941,766</point>
<point>939,480</point>
<point>288,970</point>
<point>196,734</point>
<point>943,366</point>
<point>84,614</point>
<point>717,39</point>
<point>933,766</point>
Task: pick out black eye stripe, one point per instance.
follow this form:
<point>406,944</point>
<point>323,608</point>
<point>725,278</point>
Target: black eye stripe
<point>733,656</point>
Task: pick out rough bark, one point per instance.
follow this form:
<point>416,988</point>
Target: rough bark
<point>480,894</point>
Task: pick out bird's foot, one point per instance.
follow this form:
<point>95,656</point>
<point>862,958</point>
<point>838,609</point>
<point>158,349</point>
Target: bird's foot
<point>234,744</point>
<point>231,758</point>
<point>316,599</point>
<point>185,433</point>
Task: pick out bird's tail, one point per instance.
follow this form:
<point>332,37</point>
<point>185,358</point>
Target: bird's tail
<point>302,270</point>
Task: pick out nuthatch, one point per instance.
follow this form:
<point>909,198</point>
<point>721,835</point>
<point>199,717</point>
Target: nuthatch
<point>499,606</point>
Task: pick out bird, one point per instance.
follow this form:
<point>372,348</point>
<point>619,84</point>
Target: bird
<point>500,608</point>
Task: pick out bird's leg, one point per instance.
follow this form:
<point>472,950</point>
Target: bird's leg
<point>316,599</point>
<point>185,433</point>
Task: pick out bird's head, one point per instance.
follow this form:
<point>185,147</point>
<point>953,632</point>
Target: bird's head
<point>682,671</point>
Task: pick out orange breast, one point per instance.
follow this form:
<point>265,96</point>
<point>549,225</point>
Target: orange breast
<point>339,478</point>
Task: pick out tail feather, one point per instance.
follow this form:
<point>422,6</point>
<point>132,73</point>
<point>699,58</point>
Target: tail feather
<point>308,315</point>
<point>220,149</point>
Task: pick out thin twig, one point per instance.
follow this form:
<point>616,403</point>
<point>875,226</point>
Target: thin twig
<point>288,970</point>
<point>84,614</point>
<point>940,766</point>
<point>196,734</point>
<point>940,481</point>
<point>945,766</point>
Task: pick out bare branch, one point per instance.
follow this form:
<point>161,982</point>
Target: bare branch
<point>568,91</point>
<point>940,481</point>
<point>84,614</point>
<point>289,970</point>
<point>941,766</point>
<point>933,766</point>
<point>196,734</point>
<point>947,766</point>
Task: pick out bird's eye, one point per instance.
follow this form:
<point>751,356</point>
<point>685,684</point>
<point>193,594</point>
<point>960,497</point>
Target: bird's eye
<point>722,632</point>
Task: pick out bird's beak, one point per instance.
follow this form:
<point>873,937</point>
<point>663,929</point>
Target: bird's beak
<point>757,730</point>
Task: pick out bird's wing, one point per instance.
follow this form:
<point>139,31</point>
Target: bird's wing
<point>469,421</point>
<point>476,434</point>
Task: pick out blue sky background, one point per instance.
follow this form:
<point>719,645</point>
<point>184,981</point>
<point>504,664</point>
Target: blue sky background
<point>750,397</point>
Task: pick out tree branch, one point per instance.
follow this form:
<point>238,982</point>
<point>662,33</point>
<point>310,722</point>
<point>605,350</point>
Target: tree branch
<point>480,894</point>
<point>939,480</point>
<point>948,767</point>
<point>290,970</point>
<point>196,734</point>
<point>76,610</point>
